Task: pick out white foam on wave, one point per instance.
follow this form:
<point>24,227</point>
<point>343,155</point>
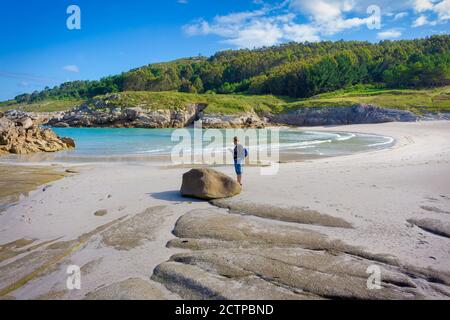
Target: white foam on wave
<point>389,141</point>
<point>345,138</point>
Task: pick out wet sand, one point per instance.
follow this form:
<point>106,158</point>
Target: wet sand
<point>18,181</point>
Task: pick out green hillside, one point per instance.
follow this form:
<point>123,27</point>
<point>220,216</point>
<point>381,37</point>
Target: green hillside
<point>417,101</point>
<point>297,70</point>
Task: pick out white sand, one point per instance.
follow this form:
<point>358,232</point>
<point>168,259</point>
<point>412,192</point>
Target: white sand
<point>375,191</point>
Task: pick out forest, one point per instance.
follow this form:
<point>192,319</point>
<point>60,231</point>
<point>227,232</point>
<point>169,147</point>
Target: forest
<point>297,70</point>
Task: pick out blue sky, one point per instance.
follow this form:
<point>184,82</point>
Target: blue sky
<point>38,50</point>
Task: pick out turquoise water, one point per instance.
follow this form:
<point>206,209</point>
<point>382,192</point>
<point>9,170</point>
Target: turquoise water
<point>143,143</point>
<point>110,144</point>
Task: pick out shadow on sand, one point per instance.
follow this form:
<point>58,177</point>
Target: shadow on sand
<point>174,196</point>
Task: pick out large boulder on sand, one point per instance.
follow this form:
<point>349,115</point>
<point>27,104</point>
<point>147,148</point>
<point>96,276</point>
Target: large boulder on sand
<point>208,184</point>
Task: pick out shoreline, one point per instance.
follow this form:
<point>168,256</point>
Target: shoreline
<point>377,192</point>
<point>287,155</point>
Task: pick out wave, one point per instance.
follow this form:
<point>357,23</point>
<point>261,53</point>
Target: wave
<point>390,140</point>
<point>345,138</point>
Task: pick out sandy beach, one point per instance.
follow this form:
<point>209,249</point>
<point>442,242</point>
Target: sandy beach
<point>134,236</point>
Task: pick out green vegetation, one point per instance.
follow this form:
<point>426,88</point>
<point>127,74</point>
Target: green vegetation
<point>217,103</point>
<point>48,105</point>
<point>299,70</point>
<point>406,74</point>
<point>417,101</point>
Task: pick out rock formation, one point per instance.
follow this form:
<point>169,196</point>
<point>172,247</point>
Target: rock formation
<point>136,117</point>
<point>111,114</point>
<point>208,184</point>
<point>266,259</point>
<point>23,135</point>
<point>358,114</point>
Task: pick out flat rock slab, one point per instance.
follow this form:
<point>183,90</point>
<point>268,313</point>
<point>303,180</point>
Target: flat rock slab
<point>291,214</point>
<point>130,289</point>
<point>193,283</point>
<point>39,259</point>
<point>131,233</point>
<point>238,256</point>
<point>434,226</point>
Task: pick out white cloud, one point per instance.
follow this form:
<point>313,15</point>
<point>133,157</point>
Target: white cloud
<point>257,35</point>
<point>400,15</point>
<point>71,68</point>
<point>250,29</point>
<point>301,33</point>
<point>389,34</point>
<point>442,9</point>
<point>422,5</point>
<point>422,21</point>
<point>272,24</point>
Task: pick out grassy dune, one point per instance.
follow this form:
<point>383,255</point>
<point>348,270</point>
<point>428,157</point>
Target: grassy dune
<point>417,101</point>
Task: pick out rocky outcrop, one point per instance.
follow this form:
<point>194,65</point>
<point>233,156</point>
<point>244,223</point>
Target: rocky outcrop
<point>38,118</point>
<point>24,136</point>
<point>357,114</point>
<point>137,117</point>
<point>286,214</point>
<point>244,120</point>
<point>208,184</point>
<point>437,227</point>
<point>101,114</point>
<point>267,258</point>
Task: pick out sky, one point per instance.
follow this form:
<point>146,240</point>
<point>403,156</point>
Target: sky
<point>38,49</point>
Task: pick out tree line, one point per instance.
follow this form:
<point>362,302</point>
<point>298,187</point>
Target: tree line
<point>297,70</point>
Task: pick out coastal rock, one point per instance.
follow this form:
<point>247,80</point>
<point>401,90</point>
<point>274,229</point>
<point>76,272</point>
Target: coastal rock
<point>287,214</point>
<point>358,114</point>
<point>208,184</point>
<point>437,227</point>
<point>244,120</point>
<point>270,260</point>
<point>6,124</point>
<point>69,142</point>
<point>130,289</point>
<point>137,230</point>
<point>26,123</point>
<point>110,113</point>
<point>24,136</point>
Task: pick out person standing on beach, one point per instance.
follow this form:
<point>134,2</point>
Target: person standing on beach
<point>240,153</point>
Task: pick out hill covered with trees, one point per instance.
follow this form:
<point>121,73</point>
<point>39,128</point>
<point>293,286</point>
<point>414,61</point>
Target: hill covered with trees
<point>297,70</point>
